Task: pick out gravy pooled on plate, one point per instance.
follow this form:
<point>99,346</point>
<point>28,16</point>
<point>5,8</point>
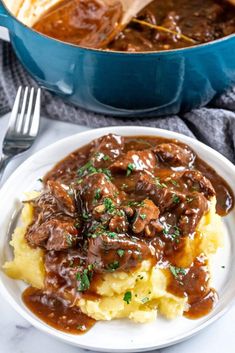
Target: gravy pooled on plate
<point>113,204</point>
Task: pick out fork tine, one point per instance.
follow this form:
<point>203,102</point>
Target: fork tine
<point>20,119</point>
<point>35,117</point>
<point>29,112</point>
<point>15,110</point>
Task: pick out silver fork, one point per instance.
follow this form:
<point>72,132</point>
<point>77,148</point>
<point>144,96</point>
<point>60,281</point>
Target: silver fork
<point>23,125</point>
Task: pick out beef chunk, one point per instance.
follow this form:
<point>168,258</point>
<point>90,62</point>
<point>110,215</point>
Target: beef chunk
<point>119,223</point>
<point>55,200</point>
<point>64,200</point>
<point>106,149</point>
<point>195,180</point>
<point>53,227</point>
<point>174,155</point>
<point>135,161</point>
<point>54,234</point>
<point>163,198</point>
<point>191,213</point>
<point>188,208</point>
<point>108,254</point>
<point>145,213</point>
<point>94,190</point>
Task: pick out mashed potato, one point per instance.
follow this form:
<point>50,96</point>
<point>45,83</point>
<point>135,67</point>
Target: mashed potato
<point>147,286</point>
<point>28,264</point>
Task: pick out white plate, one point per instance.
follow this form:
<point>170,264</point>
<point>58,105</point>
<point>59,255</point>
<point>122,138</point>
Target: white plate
<point>118,335</point>
<point>4,33</point>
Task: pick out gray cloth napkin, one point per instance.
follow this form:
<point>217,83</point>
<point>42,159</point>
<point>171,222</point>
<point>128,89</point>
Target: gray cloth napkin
<point>214,125</point>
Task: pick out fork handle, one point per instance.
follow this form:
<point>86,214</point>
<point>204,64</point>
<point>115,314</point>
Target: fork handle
<point>3,163</point>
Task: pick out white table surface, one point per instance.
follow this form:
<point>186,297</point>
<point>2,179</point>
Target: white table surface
<point>18,336</point>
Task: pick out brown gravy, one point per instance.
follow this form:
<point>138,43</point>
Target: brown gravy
<point>89,23</point>
<point>124,196</point>
<point>84,22</point>
<point>56,312</point>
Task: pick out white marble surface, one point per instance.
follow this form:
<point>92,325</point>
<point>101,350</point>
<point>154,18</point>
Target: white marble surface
<point>17,336</point>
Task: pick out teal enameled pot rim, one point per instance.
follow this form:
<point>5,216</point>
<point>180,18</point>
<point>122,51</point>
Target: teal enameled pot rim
<point>4,11</point>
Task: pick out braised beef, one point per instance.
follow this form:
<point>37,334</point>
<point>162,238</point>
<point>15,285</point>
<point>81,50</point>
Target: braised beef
<point>106,149</point>
<point>56,224</point>
<point>145,213</point>
<point>175,155</point>
<point>163,197</point>
<point>119,223</point>
<point>135,161</point>
<point>195,180</point>
<point>116,202</point>
<point>55,234</point>
<point>109,253</point>
<point>94,190</point>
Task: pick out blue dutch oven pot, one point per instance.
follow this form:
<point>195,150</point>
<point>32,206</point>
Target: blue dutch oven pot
<point>125,84</point>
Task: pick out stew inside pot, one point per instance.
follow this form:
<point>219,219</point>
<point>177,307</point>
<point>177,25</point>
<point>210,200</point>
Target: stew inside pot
<point>162,25</point>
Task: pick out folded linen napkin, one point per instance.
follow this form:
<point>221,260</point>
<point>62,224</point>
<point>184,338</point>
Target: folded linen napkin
<point>213,125</point>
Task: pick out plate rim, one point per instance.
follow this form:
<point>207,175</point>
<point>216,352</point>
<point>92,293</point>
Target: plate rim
<point>90,135</point>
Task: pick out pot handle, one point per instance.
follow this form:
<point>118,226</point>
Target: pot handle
<point>5,18</point>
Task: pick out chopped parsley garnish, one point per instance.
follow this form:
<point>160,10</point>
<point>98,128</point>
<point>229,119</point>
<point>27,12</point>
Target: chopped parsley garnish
<point>84,280</point>
<point>81,327</point>
<point>176,234</point>
<point>113,266</point>
<point>145,300</point>
<point>77,225</point>
<point>130,169</point>
<point>41,180</point>
<point>96,230</point>
<point>127,297</point>
<point>105,171</point>
<point>89,168</point>
<point>109,205</point>
<point>85,216</point>
<point>223,266</point>
<point>177,271</point>
<point>172,231</point>
<point>136,203</point>
<point>120,252</point>
<point>143,216</point>
<point>91,267</point>
<point>100,155</point>
<point>189,199</point>
<point>175,199</point>
<point>69,239</point>
<point>174,182</point>
<point>97,194</point>
<point>120,213</point>
<point>105,157</point>
<point>111,235</point>
<point>159,184</point>
<point>166,229</point>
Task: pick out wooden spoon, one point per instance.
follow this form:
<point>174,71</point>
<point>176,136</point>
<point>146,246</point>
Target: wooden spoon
<point>130,8</point>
